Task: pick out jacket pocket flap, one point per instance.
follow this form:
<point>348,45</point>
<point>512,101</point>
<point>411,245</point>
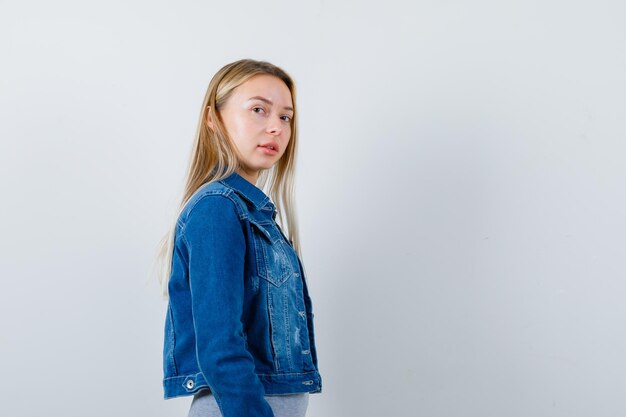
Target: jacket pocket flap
<point>260,227</point>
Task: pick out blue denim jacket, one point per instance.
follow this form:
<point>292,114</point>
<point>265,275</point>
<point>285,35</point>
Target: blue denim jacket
<point>239,318</point>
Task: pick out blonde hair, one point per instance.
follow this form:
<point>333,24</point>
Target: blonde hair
<point>214,156</point>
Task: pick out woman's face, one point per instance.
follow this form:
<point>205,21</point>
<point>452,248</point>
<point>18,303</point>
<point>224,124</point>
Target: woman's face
<point>257,115</point>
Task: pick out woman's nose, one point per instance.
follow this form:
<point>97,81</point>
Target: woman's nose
<point>274,126</point>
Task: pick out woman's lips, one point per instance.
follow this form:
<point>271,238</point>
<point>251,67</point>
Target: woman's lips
<point>268,151</point>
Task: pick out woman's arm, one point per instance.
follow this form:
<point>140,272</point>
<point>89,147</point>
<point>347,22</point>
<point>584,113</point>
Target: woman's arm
<point>216,243</point>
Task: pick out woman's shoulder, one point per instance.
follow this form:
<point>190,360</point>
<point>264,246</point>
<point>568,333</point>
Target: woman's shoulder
<point>213,198</point>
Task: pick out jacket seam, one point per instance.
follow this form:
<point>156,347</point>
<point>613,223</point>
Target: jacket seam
<point>227,194</point>
<point>173,339</point>
<point>274,375</point>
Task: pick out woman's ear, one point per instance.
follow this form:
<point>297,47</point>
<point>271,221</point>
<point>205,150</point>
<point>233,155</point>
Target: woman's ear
<point>209,120</point>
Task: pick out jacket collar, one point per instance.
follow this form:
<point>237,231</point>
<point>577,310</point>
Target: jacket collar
<point>249,191</point>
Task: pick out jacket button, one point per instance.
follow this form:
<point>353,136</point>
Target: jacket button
<point>190,384</point>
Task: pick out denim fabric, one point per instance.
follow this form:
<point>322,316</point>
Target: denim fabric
<point>239,317</point>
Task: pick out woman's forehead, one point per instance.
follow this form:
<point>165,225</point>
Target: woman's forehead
<point>267,88</point>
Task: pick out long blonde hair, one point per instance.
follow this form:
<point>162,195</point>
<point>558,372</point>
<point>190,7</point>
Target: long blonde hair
<point>214,157</point>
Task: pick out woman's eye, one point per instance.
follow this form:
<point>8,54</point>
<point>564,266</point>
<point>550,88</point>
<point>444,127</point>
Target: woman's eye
<point>288,118</point>
<point>254,109</point>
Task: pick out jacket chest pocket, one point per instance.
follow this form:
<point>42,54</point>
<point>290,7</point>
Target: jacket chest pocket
<point>272,254</point>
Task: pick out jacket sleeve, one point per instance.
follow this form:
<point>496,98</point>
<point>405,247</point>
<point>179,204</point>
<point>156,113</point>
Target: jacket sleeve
<point>216,243</point>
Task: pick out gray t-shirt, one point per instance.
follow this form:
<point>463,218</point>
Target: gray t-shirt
<point>286,405</point>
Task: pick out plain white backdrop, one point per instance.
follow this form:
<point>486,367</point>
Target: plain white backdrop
<point>461,193</point>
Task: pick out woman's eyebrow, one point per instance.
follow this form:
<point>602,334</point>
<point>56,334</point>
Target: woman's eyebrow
<point>268,101</point>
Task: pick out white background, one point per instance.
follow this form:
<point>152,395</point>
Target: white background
<point>461,193</point>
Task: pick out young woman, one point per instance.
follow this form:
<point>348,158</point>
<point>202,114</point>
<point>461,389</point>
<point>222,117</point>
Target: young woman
<point>239,325</point>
